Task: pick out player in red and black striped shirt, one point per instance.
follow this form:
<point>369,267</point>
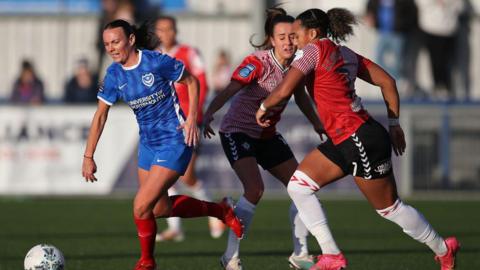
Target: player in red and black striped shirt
<point>359,145</point>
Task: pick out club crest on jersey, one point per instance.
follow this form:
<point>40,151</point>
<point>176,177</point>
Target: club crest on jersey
<point>245,71</point>
<point>148,79</point>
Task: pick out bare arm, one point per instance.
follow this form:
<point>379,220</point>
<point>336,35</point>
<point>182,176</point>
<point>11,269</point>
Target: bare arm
<point>375,75</point>
<point>281,93</point>
<point>89,167</point>
<point>217,103</point>
<point>190,126</point>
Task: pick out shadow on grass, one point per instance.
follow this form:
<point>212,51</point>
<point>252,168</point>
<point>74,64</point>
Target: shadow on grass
<point>198,234</point>
<point>68,235</point>
<point>282,253</point>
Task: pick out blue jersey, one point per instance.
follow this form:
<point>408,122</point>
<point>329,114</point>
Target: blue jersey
<point>148,89</point>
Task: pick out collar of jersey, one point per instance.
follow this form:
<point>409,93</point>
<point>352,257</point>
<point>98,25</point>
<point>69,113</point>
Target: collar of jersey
<point>283,69</point>
<point>136,65</point>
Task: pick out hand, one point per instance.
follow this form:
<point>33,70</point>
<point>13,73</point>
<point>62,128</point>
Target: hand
<point>322,134</point>
<point>261,117</point>
<point>89,168</point>
<point>191,132</point>
<point>207,129</point>
<point>398,139</point>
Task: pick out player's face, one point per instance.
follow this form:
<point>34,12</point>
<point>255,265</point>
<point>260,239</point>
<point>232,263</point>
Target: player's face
<point>165,32</point>
<point>302,37</point>
<point>282,40</point>
<point>117,45</point>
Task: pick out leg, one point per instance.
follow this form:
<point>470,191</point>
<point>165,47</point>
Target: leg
<point>198,191</point>
<point>314,171</point>
<point>174,231</point>
<point>158,181</point>
<point>249,174</point>
<point>382,195</point>
<point>284,172</point>
<point>151,193</point>
<point>300,258</point>
<point>190,178</point>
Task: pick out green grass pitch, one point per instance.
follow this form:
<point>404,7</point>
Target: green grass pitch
<point>99,234</point>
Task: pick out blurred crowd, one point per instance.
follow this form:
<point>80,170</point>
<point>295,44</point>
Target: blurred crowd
<point>441,27</point>
<point>404,27</point>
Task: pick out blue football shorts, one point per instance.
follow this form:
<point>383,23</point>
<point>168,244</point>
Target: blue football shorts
<point>175,157</point>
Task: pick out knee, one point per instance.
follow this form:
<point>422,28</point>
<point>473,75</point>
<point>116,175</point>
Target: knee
<point>301,183</point>
<point>392,211</point>
<point>254,193</point>
<point>142,210</point>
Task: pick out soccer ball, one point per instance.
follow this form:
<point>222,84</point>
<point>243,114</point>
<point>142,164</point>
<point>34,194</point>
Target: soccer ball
<point>44,257</point>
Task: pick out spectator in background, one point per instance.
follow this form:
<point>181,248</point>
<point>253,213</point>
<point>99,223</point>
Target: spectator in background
<point>82,87</point>
<point>28,88</point>
<point>439,20</point>
<point>462,52</point>
<point>146,9</point>
<point>125,11</point>
<point>112,10</point>
<point>393,19</point>
<point>109,7</point>
<point>222,71</point>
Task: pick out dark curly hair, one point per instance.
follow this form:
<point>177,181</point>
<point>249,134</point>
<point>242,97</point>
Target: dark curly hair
<point>337,23</point>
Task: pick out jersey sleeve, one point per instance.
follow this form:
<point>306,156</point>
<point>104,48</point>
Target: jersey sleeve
<point>107,91</point>
<point>197,67</point>
<point>306,60</point>
<point>170,68</point>
<point>250,69</point>
<point>363,63</point>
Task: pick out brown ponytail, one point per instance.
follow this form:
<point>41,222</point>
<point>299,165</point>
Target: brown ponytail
<point>274,15</point>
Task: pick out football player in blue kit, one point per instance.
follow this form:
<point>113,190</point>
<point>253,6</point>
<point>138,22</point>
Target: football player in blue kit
<point>144,79</point>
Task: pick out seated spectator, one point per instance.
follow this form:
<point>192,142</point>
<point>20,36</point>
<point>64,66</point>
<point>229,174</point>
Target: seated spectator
<point>28,88</point>
<point>82,87</point>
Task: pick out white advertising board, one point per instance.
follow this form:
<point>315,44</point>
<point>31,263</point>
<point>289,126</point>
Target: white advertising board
<point>41,149</point>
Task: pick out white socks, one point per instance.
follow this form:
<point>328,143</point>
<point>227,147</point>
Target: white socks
<point>301,189</point>
<point>415,225</point>
<point>299,232</point>
<point>244,211</point>
<point>174,223</point>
